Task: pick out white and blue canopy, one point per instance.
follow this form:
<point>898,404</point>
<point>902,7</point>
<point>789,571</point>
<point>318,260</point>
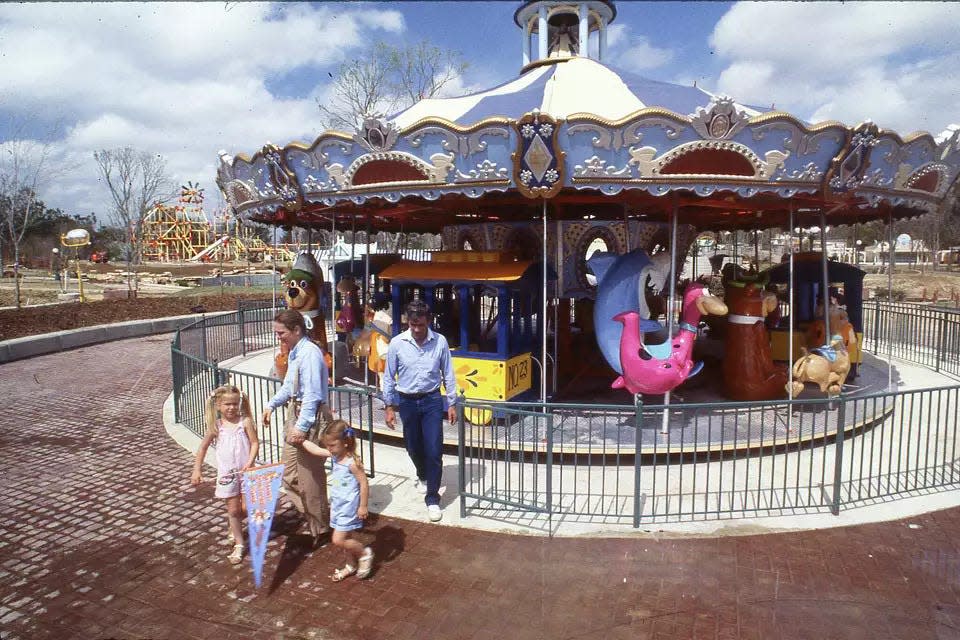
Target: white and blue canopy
<point>564,88</point>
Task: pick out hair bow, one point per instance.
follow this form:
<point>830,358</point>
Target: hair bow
<point>349,432</point>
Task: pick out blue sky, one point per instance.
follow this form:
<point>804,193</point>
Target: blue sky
<point>185,80</point>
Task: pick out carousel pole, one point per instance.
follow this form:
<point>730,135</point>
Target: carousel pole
<point>890,259</point>
<point>365,299</point>
<point>543,314</point>
<point>665,426</point>
<point>793,318</point>
<point>557,288</point>
<point>274,264</point>
<point>756,250</point>
<point>333,301</point>
<point>353,240</point>
<point>826,277</point>
<point>626,227</point>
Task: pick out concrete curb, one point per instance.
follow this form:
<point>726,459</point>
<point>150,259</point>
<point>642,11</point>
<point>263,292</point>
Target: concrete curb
<point>42,344</point>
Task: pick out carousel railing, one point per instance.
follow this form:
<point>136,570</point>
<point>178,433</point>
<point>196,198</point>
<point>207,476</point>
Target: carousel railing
<point>632,464</point>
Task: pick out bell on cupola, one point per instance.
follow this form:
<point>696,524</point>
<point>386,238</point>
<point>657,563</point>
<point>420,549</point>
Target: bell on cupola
<point>559,29</point>
<point>564,41</point>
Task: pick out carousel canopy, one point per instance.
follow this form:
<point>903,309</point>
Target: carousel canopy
<point>594,144</point>
<point>558,90</point>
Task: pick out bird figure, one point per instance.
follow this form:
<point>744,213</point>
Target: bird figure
<point>657,369</point>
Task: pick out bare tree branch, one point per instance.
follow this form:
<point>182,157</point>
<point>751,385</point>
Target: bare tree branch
<point>25,168</point>
<point>387,79</point>
<point>136,181</point>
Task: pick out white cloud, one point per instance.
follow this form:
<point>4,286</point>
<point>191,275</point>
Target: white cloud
<point>893,62</point>
<point>633,52</point>
<point>180,79</point>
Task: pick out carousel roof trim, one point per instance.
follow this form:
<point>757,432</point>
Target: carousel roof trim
<point>575,126</point>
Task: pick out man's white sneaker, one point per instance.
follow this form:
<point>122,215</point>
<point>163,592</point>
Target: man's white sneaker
<point>420,485</point>
<point>434,513</point>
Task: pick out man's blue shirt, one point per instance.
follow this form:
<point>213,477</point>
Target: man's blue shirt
<point>412,368</point>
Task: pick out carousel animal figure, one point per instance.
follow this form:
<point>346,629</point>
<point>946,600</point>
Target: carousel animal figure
<point>656,369</point>
<point>839,325</point>
<point>749,372</point>
<point>622,283</point>
<point>373,341</point>
<point>826,366</point>
<point>348,321</point>
<point>304,292</point>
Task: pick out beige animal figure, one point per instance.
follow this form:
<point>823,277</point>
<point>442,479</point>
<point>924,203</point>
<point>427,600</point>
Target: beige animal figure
<point>814,367</point>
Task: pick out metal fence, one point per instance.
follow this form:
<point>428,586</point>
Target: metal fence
<point>196,352</point>
<point>924,335</point>
<point>713,460</point>
<point>644,464</point>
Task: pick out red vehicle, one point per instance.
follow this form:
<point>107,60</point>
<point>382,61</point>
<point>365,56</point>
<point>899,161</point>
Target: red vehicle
<point>99,256</point>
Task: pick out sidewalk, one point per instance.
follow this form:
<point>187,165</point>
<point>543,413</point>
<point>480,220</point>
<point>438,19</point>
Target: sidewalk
<point>105,538</point>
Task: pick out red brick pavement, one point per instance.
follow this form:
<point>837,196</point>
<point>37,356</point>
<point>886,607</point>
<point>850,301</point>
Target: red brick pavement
<point>102,537</point>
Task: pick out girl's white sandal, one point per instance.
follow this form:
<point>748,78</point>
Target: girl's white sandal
<point>236,556</point>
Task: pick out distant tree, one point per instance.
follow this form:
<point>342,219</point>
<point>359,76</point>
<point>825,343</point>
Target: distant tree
<point>389,78</point>
<point>25,168</point>
<point>136,180</point>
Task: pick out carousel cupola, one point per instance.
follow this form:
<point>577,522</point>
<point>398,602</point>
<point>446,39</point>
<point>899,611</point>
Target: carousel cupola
<point>563,29</point>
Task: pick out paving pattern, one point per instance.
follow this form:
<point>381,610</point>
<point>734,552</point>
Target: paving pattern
<point>103,537</point>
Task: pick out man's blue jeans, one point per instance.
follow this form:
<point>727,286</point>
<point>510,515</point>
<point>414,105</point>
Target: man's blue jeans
<point>423,436</point>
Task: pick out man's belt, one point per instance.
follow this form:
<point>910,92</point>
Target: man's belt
<point>417,396</point>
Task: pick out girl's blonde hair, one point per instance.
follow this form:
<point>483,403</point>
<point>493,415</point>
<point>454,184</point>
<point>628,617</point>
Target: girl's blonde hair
<point>212,414</point>
<point>342,431</point>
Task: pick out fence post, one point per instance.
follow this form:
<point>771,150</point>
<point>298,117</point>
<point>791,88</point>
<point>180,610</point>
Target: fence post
<point>177,376</point>
<point>203,339</point>
<point>838,458</point>
<point>373,471</point>
<point>939,339</point>
<point>876,327</point>
<point>243,336</point>
<point>461,455</point>
<point>637,443</point>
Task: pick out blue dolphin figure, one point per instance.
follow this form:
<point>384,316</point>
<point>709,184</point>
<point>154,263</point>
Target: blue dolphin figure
<point>618,291</point>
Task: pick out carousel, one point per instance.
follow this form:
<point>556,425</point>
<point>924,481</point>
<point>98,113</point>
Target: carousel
<point>606,178</point>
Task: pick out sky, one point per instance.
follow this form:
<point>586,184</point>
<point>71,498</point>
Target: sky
<point>187,80</point>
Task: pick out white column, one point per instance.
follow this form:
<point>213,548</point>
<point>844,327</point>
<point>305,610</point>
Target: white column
<point>526,44</point>
<point>543,32</point>
<point>601,49</point>
<point>584,31</point>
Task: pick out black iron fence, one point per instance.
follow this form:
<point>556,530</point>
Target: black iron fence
<point>644,463</point>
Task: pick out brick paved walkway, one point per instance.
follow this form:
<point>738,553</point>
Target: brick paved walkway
<point>102,537</point>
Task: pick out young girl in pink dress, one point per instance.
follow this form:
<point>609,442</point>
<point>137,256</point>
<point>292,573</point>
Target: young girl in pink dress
<point>349,493</point>
<point>229,423</point>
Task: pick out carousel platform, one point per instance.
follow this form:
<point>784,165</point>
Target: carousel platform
<point>698,419</point>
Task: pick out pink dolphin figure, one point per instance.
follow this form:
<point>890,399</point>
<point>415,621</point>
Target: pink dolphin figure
<point>656,369</point>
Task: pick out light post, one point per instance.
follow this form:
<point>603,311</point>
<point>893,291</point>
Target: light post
<point>856,258</point>
<point>57,272</point>
<point>76,238</point>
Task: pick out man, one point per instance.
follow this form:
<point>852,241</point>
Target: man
<point>305,383</point>
<point>418,360</point>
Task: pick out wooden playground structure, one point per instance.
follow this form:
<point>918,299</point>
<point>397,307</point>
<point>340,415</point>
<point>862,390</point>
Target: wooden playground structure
<point>182,232</point>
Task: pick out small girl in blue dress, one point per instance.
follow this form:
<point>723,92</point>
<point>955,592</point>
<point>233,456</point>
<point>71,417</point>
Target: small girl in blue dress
<point>349,493</point>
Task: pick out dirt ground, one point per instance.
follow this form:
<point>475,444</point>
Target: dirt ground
<point>153,301</point>
<point>915,285</point>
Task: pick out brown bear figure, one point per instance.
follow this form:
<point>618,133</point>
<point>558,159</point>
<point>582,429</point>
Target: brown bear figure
<point>749,372</point>
<point>303,286</point>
